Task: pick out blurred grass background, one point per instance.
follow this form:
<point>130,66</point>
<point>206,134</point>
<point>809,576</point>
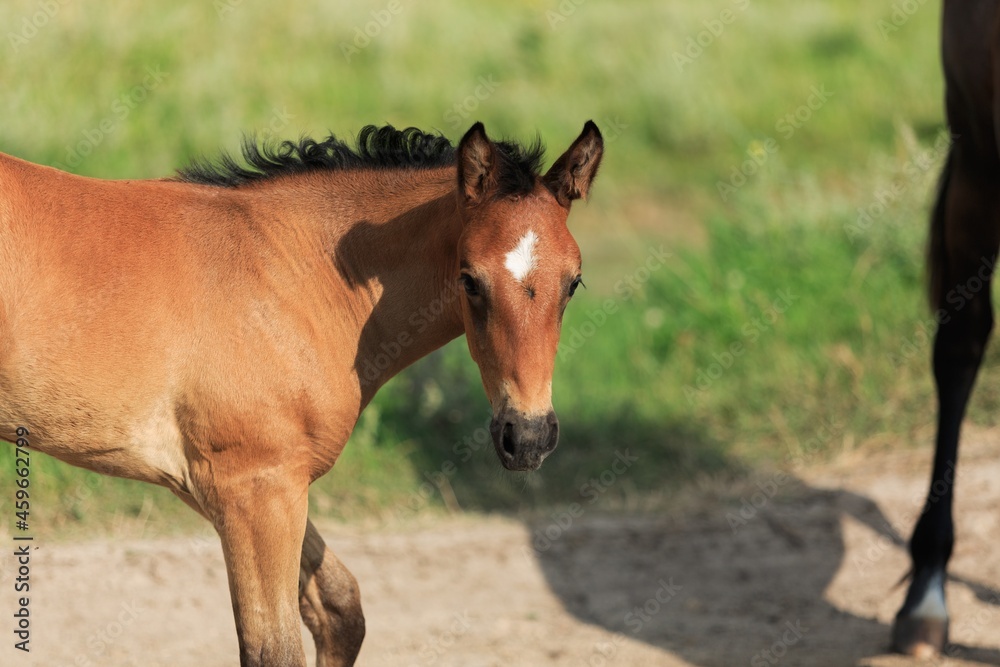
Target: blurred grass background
<point>785,325</point>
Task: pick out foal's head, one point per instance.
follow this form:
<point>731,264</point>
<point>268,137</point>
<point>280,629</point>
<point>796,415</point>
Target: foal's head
<point>519,267</point>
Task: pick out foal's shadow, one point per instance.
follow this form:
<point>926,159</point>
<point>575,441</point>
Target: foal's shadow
<point>747,591</point>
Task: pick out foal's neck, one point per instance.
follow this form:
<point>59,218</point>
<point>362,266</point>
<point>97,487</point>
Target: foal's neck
<point>394,241</point>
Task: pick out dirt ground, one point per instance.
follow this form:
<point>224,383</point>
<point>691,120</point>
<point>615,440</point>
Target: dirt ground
<point>807,578</point>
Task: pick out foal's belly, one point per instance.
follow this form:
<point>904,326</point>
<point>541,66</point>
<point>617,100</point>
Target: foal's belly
<point>143,444</point>
<point>92,387</point>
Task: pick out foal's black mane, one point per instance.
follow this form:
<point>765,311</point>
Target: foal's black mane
<point>376,148</point>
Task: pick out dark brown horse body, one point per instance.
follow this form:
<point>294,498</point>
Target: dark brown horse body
<point>217,334</point>
<point>965,235</point>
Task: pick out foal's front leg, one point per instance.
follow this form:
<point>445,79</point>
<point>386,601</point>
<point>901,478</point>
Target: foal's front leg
<point>260,514</point>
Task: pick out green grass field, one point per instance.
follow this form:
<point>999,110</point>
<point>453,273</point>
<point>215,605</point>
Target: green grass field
<point>753,249</point>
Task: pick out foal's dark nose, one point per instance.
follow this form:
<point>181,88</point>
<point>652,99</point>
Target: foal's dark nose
<point>523,442</point>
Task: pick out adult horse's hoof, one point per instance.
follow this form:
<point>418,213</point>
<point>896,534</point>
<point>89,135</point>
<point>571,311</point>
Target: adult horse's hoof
<point>919,637</point>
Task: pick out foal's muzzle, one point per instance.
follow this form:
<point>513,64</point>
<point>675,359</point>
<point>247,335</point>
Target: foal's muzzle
<point>523,442</point>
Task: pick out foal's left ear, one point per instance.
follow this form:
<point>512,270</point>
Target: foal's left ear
<point>570,176</point>
<point>477,165</point>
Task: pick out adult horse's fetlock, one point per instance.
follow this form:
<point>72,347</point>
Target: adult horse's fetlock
<point>921,626</point>
<point>919,637</point>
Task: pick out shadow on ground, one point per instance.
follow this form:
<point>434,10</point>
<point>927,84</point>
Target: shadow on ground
<point>714,587</point>
<point>722,592</point>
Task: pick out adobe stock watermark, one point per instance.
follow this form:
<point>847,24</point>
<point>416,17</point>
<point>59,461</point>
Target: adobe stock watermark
<point>223,8</point>
<point>279,120</point>
<point>696,44</point>
<point>759,152</point>
<point>805,452</point>
<point>956,299</point>
<point>902,12</point>
<point>439,479</point>
<point>612,128</point>
<point>364,34</point>
<point>100,642</point>
<point>881,544</point>
<point>543,538</point>
<point>913,172</point>
<point>432,650</point>
<point>604,653</point>
<point>121,108</point>
<point>459,114</point>
<point>565,9</point>
<point>751,505</point>
<point>29,26</point>
<point>967,624</point>
<point>793,634</point>
<point>373,366</point>
<point>750,332</point>
<point>640,615</point>
<point>876,547</point>
<point>627,287</point>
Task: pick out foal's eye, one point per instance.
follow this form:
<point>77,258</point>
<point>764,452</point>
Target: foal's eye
<point>573,285</point>
<point>470,285</point>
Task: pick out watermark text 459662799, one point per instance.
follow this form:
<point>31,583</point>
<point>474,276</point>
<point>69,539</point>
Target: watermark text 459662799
<point>22,553</point>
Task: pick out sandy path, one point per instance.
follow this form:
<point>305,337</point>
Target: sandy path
<point>808,576</point>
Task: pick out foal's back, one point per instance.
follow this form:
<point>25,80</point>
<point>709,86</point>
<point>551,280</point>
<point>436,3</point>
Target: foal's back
<point>123,304</point>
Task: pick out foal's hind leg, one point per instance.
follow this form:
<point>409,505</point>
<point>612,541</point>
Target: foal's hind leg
<point>330,602</point>
<point>965,236</point>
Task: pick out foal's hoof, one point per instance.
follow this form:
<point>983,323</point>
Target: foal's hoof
<point>919,637</point>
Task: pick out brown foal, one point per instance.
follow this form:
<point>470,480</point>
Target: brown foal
<point>219,333</point>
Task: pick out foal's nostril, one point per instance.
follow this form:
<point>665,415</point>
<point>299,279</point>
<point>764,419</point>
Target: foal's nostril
<point>553,437</point>
<point>508,438</point>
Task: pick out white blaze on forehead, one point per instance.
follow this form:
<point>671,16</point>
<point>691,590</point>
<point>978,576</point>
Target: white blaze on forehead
<point>521,260</point>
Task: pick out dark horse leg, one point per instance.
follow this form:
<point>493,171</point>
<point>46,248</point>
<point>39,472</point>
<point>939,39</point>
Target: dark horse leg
<point>965,233</point>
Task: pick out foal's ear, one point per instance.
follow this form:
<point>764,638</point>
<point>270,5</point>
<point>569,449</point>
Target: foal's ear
<point>477,165</point>
<point>571,175</point>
